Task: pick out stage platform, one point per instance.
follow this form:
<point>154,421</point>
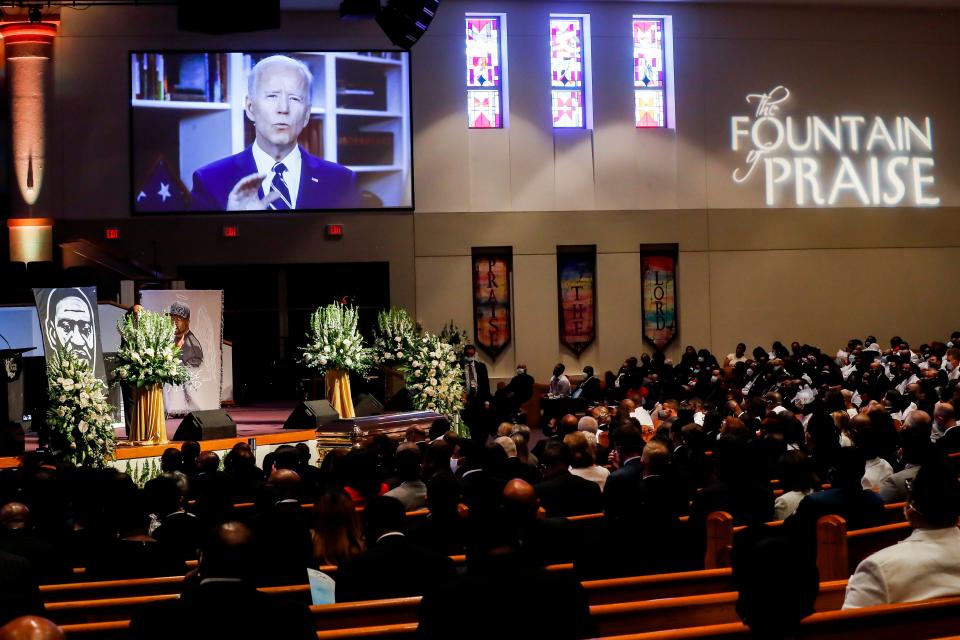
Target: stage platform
<point>261,424</point>
<point>262,427</point>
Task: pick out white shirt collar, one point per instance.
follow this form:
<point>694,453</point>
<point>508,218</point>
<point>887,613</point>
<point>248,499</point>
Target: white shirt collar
<point>293,161</point>
<point>390,533</point>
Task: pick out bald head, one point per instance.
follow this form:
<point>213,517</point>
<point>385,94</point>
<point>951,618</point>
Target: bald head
<point>208,462</point>
<point>227,551</point>
<point>520,493</point>
<point>918,420</point>
<point>31,628</point>
<point>14,515</point>
<point>285,483</point>
<point>568,424</point>
<point>944,415</point>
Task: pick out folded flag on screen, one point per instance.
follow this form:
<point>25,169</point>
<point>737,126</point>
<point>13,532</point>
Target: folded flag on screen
<point>161,191</point>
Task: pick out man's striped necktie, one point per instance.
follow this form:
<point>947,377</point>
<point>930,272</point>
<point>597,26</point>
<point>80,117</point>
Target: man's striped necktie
<point>283,203</point>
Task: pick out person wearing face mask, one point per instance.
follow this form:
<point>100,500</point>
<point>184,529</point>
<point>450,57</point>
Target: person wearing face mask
<point>559,383</point>
<point>511,397</point>
<point>476,385</point>
<point>951,364</point>
<point>588,392</point>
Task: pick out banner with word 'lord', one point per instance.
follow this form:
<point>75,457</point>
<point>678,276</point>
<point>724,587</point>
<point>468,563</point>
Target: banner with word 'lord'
<point>659,281</point>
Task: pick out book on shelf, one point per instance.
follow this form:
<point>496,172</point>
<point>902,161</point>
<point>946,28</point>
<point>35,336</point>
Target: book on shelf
<point>365,148</point>
<point>194,77</point>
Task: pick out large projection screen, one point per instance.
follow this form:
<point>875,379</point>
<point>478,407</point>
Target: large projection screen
<point>269,131</point>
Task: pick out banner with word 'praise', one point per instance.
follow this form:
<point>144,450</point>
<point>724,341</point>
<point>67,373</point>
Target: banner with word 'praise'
<point>659,281</point>
<point>491,298</point>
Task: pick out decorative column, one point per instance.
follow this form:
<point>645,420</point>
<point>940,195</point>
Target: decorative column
<point>28,47</point>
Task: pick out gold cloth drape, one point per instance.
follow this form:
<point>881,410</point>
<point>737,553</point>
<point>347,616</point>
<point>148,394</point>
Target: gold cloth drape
<point>338,393</point>
<point>149,421</point>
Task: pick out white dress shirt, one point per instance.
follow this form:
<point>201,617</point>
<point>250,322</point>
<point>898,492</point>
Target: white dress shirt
<point>560,386</point>
<point>292,161</point>
<point>786,504</point>
<point>596,473</point>
<point>874,473</point>
<point>925,565</point>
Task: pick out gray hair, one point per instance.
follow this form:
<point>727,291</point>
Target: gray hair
<point>285,60</point>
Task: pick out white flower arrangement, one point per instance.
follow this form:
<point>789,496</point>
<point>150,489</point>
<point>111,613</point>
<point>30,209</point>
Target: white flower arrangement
<point>335,343</point>
<point>430,365</point>
<point>79,423</point>
<point>148,352</point>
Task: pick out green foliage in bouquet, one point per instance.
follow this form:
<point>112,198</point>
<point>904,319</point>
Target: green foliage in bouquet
<point>429,364</point>
<point>455,337</point>
<point>78,428</point>
<point>335,343</point>
<point>397,334</point>
<point>148,354</point>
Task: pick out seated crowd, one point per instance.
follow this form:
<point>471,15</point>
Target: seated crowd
<point>786,434</point>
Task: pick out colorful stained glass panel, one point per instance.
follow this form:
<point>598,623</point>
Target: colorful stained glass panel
<point>649,107</point>
<point>483,51</point>
<point>483,109</point>
<point>566,52</point>
<point>648,69</point>
<point>567,108</point>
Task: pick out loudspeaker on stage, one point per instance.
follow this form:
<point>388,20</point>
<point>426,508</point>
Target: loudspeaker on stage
<point>214,424</point>
<point>311,414</point>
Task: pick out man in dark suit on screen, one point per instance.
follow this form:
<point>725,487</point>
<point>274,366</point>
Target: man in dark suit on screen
<point>275,173</point>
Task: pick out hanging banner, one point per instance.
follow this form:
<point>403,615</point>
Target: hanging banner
<point>577,296</point>
<point>69,320</point>
<point>491,298</point>
<point>658,266</point>
<point>198,318</point>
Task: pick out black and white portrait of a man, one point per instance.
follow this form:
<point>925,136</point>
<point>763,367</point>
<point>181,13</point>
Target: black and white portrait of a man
<point>68,318</point>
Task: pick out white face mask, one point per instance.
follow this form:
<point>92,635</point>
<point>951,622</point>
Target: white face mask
<point>454,463</point>
<point>521,371</point>
<point>470,358</point>
<point>949,366</point>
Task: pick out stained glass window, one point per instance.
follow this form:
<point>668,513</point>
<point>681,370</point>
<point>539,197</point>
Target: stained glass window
<point>649,72</point>
<point>484,72</point>
<point>567,71</point>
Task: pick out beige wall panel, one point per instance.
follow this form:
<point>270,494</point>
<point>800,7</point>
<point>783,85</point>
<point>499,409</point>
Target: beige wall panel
<point>618,311</point>
<point>531,134</point>
<point>825,297</point>
<point>573,157</point>
<point>441,183</point>
<point>489,152</point>
<point>541,232</point>
<point>695,295</point>
<point>535,320</point>
<point>766,229</point>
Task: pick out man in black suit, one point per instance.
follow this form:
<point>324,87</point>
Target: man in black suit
<point>225,602</point>
<point>589,392</point>
<point>621,486</point>
<point>561,493</point>
<point>476,411</point>
<point>179,530</point>
<point>482,491</point>
<point>19,537</point>
<point>19,593</point>
<point>391,566</point>
<point>509,399</point>
<point>472,607</point>
<point>283,531</point>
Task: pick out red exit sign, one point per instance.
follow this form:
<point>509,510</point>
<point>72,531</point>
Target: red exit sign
<point>334,230</point>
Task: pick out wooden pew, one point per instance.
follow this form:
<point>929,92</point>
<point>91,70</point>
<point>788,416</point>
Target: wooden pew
<point>924,620</point>
<point>663,585</point>
<point>690,611</point>
<point>102,610</point>
<point>840,551</point>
